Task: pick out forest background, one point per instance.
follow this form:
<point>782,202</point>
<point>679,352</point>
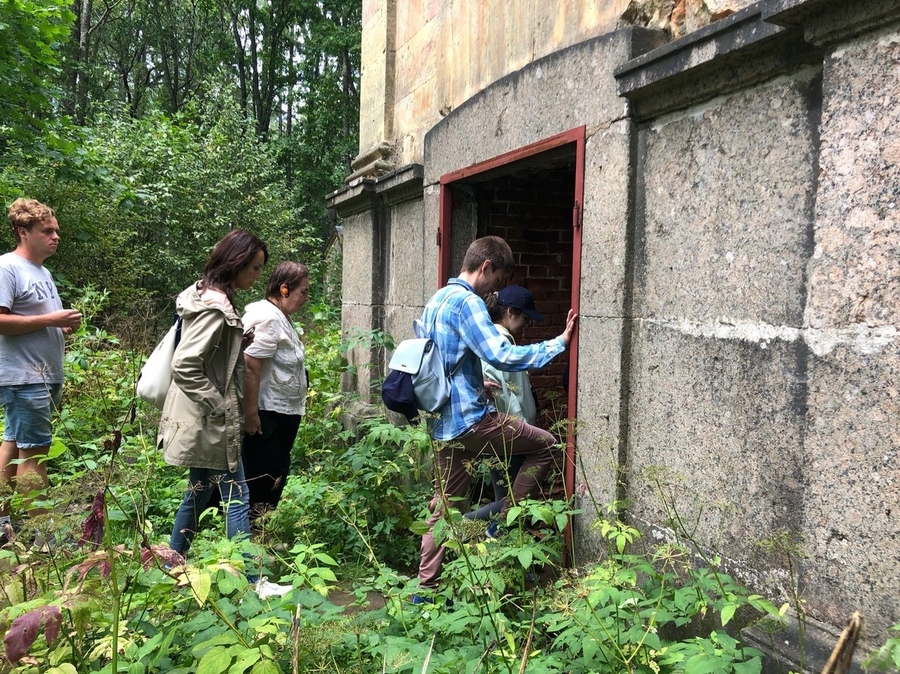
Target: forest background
<point>152,128</point>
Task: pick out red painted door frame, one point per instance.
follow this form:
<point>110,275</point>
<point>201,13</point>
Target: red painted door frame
<point>574,136</point>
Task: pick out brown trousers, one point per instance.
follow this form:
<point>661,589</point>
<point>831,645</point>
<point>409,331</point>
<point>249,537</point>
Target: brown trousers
<point>497,435</point>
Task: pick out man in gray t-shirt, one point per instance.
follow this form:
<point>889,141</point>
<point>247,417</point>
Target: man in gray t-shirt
<point>32,325</point>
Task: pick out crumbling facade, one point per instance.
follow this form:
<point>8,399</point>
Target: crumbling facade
<point>722,210</point>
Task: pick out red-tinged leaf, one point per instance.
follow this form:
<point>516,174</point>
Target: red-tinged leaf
<point>112,445</point>
<point>24,630</point>
<point>92,527</point>
<point>52,623</point>
<point>166,556</point>
<point>97,560</point>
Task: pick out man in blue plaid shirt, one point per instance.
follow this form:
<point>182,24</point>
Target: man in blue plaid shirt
<point>468,425</point>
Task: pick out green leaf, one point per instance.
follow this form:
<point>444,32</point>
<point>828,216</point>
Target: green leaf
<point>200,584</point>
<point>702,663</point>
<point>216,661</point>
<point>244,660</point>
<point>589,648</point>
<point>326,574</point>
<point>64,668</point>
<point>419,528</point>
<point>512,514</point>
<point>325,558</point>
<point>57,448</point>
<point>751,666</point>
<point>728,613</point>
<point>562,521</point>
<point>265,667</point>
<point>525,558</point>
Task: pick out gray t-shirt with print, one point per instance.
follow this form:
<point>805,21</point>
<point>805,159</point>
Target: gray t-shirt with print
<point>36,357</point>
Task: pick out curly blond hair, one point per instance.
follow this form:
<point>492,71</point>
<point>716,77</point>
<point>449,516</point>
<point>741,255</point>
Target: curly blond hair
<point>26,213</point>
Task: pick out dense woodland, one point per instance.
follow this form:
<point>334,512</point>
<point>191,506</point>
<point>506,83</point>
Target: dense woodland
<point>154,127</point>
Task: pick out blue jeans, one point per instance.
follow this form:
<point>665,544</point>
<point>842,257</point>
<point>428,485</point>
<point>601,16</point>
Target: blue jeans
<point>28,409</point>
<point>201,482</point>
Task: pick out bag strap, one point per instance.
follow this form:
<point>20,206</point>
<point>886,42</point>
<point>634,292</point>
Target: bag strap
<point>434,325</point>
<point>178,323</point>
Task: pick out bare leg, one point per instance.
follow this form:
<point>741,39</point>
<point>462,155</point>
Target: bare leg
<point>31,474</point>
<point>8,451</point>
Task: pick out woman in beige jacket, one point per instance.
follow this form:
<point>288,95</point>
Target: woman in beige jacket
<point>202,420</point>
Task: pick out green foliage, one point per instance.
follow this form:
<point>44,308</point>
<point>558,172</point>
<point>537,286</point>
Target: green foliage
<point>619,615</point>
<point>193,118</point>
<point>30,36</point>
<point>325,362</point>
<point>886,658</point>
<point>169,191</point>
<point>358,500</point>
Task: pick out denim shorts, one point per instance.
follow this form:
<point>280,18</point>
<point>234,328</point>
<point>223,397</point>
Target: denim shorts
<point>28,409</point>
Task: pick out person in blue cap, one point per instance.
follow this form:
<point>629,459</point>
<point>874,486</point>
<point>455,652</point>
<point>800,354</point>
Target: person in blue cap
<point>511,310</point>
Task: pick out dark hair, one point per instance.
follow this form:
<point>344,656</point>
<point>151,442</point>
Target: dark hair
<point>491,248</point>
<point>288,274</point>
<point>230,256</point>
<point>26,213</point>
<point>492,302</point>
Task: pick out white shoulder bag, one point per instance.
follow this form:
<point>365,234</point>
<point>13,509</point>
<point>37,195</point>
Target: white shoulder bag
<point>156,375</point>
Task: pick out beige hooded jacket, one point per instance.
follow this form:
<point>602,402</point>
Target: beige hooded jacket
<point>202,421</point>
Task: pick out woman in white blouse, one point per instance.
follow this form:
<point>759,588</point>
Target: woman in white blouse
<point>275,385</point>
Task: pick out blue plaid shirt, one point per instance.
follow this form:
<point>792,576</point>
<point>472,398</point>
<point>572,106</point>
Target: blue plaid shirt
<point>465,336</point>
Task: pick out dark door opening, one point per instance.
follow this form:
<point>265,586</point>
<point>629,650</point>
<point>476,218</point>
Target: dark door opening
<point>532,198</point>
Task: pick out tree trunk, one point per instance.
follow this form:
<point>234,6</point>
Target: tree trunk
<point>84,45</point>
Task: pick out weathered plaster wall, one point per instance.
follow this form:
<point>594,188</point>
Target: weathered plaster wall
<point>407,278</point>
<point>361,307</point>
<point>423,58</point>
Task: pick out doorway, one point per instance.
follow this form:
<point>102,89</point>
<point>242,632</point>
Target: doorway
<point>531,197</point>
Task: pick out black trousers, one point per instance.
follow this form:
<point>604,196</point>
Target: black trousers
<point>267,459</point>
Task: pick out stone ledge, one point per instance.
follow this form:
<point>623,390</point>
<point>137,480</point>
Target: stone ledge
<point>353,199</point>
<point>738,51</point>
<point>828,21</point>
<point>395,187</point>
<point>404,184</point>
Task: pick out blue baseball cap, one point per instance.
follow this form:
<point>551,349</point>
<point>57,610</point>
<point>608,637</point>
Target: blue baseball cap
<point>519,298</point>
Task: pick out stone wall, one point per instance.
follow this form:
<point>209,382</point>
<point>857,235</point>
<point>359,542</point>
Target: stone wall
<point>423,58</point>
<point>739,281</point>
<point>718,381</point>
<point>852,318</point>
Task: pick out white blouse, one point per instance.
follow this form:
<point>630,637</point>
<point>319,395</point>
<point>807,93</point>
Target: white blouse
<point>282,381</point>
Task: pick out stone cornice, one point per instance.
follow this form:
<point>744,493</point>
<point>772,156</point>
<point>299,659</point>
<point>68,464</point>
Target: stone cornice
<point>825,22</point>
<point>395,187</point>
<point>738,51</point>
